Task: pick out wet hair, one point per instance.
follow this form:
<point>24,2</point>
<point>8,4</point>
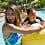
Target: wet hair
<point>16,11</point>
<point>29,10</point>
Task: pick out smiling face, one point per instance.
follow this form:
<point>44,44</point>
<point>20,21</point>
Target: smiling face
<point>10,15</point>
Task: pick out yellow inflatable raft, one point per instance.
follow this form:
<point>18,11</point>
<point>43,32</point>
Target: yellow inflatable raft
<point>36,38</point>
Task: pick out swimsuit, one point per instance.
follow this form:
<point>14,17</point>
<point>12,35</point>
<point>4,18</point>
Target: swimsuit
<point>13,39</point>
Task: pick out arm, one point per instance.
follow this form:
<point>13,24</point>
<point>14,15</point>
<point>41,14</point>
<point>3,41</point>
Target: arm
<point>42,22</point>
<point>39,18</point>
<point>15,29</point>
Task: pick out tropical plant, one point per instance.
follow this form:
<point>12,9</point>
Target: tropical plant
<point>38,4</point>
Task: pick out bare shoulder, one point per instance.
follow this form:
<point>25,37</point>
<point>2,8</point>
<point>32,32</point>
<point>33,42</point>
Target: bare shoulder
<point>4,26</point>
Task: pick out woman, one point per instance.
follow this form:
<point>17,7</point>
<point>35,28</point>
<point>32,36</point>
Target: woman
<point>12,17</point>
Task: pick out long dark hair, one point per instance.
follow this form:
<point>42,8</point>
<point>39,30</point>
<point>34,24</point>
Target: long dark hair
<point>16,11</point>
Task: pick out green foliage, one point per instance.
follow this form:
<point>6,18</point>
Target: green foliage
<point>35,4</point>
<point>42,3</point>
<point>22,4</point>
<point>4,4</point>
<point>38,4</point>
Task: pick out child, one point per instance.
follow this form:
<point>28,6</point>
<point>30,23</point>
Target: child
<point>32,18</point>
<point>33,21</point>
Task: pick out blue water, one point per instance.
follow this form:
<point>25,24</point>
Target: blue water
<point>1,34</point>
<point>40,13</point>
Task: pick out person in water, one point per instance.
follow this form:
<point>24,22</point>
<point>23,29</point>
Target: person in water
<point>12,16</point>
<point>32,21</point>
<point>32,18</point>
<point>13,28</point>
